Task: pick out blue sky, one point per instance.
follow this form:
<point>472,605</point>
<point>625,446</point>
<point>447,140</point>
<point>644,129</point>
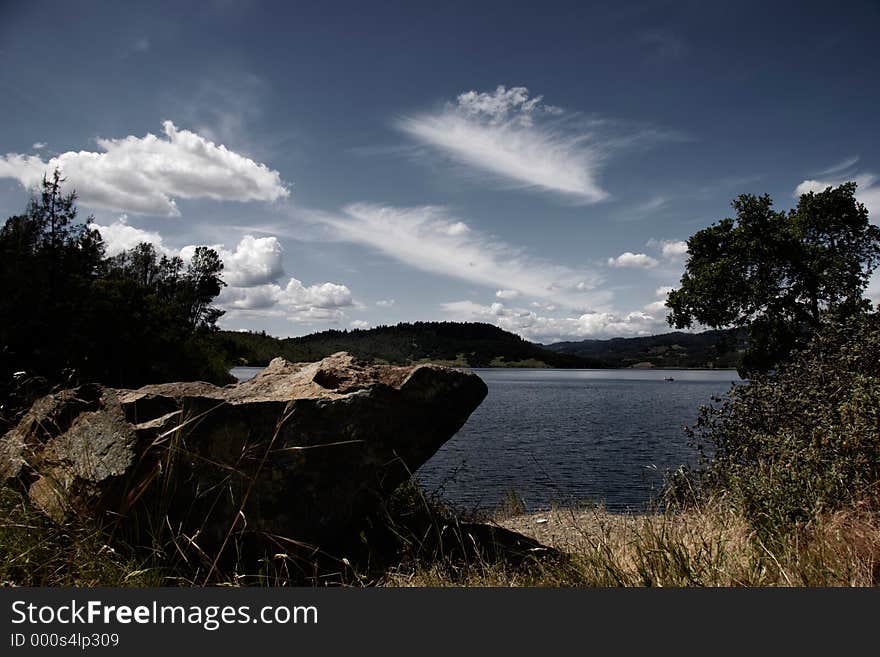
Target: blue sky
<point>533,165</point>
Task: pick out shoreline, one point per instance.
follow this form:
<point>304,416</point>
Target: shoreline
<point>561,369</point>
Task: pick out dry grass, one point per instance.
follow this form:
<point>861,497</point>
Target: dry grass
<point>34,551</point>
<point>710,546</point>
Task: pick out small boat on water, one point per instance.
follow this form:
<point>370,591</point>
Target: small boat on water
<point>668,378</point>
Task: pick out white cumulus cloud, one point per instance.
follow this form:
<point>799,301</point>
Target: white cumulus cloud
<point>669,249</point>
<point>628,259</point>
<point>497,106</point>
<point>674,249</point>
<point>255,261</point>
<point>295,301</point>
<point>119,237</point>
<point>655,306</point>
<point>659,306</point>
<point>547,329</point>
<point>144,175</point>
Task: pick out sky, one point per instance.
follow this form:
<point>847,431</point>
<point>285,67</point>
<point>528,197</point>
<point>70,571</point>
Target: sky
<point>537,166</point>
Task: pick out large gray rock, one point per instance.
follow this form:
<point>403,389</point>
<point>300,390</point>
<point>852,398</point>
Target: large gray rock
<point>300,453</point>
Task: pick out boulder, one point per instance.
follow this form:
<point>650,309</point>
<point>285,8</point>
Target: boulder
<point>299,455</point>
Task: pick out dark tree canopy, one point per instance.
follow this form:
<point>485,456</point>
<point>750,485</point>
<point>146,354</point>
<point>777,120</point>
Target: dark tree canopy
<point>476,344</point>
<point>203,283</point>
<point>67,310</point>
<point>47,264</point>
<point>779,274</point>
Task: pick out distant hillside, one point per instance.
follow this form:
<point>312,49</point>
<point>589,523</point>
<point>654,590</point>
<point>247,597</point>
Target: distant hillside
<point>455,343</point>
<point>716,349</point>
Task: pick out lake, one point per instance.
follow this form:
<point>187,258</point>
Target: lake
<point>570,436</point>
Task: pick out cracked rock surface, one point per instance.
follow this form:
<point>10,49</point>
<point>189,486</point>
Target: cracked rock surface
<point>302,452</point>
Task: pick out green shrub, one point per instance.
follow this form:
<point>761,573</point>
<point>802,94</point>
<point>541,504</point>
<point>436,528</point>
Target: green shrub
<point>798,442</point>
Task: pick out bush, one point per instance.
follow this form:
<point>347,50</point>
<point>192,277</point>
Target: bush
<point>799,442</point>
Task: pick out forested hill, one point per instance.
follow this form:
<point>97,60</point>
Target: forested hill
<point>456,343</point>
<point>469,344</point>
<point>718,349</point>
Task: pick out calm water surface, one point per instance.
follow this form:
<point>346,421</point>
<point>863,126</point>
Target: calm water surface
<point>245,373</point>
<point>570,436</point>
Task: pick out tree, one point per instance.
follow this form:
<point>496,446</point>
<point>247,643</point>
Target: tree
<point>203,283</point>
<point>155,318</point>
<point>66,309</point>
<point>779,274</point>
<point>47,263</point>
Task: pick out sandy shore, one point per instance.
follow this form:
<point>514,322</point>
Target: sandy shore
<point>571,530</point>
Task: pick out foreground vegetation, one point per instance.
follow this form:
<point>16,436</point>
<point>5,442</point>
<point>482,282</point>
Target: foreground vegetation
<point>787,492</point>
<point>709,545</point>
<point>802,442</point>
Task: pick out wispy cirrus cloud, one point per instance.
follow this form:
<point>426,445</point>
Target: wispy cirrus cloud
<point>840,167</point>
<point>664,44</point>
<point>431,240</point>
<point>136,46</point>
<point>513,136</point>
<point>144,175</point>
